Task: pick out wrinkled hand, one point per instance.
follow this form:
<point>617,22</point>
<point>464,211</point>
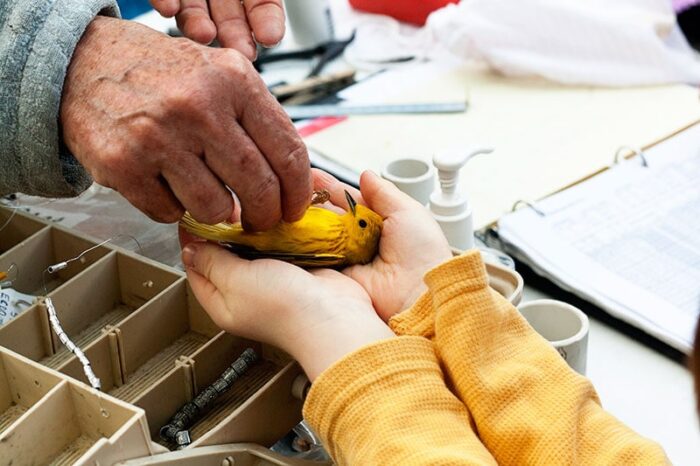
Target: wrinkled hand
<point>234,23</point>
<point>411,243</point>
<point>316,316</point>
<point>169,124</point>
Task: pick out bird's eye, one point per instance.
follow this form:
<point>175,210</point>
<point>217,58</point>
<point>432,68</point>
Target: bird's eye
<point>363,224</point>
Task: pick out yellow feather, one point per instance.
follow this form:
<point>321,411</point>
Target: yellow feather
<point>320,238</point>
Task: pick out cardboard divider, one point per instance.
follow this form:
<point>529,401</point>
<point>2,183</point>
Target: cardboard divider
<point>17,227</point>
<point>48,247</point>
<point>21,387</point>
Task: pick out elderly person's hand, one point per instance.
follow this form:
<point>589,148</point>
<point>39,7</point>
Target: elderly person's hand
<point>411,244</point>
<point>236,24</point>
<point>171,124</point>
<point>316,316</point>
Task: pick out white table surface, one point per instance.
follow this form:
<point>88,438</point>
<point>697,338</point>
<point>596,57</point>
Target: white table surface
<point>646,390</point>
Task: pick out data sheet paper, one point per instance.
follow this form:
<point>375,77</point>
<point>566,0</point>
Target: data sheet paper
<point>627,239</point>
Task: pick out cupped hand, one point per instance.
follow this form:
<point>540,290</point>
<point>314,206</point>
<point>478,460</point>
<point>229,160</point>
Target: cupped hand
<point>411,243</point>
<point>171,124</point>
<point>236,24</point>
<point>316,316</point>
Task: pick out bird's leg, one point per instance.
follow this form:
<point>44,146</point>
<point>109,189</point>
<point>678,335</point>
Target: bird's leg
<point>319,197</point>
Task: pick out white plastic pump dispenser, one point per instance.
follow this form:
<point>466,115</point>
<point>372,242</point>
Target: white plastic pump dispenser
<point>448,203</point>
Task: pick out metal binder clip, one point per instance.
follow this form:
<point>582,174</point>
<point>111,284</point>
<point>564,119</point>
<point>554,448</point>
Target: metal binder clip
<point>634,150</point>
<point>528,204</point>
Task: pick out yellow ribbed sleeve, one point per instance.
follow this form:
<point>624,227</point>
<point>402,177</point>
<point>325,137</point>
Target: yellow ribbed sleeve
<point>418,320</point>
<point>528,405</point>
<point>387,404</point>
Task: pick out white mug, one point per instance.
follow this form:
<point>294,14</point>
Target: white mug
<point>564,326</point>
<point>412,176</point>
<point>310,21</point>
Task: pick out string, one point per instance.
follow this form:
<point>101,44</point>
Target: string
<point>62,265</point>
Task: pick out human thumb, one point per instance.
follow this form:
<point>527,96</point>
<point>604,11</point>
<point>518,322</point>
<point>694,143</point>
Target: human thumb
<point>209,270</point>
<point>212,262</point>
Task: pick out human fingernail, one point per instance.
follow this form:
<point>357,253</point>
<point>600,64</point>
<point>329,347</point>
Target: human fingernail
<point>188,254</point>
<point>247,47</point>
<point>271,46</point>
<point>271,35</point>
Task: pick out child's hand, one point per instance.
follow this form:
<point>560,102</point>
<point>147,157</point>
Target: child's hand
<point>318,316</point>
<point>411,242</point>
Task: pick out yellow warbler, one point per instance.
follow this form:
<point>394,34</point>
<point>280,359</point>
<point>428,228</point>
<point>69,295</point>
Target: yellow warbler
<point>321,238</point>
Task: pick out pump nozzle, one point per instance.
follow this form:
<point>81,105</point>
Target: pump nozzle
<point>449,204</point>
<point>450,162</point>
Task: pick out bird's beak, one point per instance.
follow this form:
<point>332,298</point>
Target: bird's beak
<point>351,202</point>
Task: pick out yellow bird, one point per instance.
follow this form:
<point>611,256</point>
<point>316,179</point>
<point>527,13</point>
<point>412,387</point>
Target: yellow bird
<point>321,238</point>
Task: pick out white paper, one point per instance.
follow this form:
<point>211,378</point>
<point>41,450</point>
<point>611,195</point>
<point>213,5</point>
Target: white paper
<point>13,303</point>
<point>627,239</point>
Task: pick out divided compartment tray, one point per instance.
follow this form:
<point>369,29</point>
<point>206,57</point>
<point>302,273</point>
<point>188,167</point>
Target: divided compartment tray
<point>48,246</point>
<point>15,227</point>
<point>259,407</point>
<point>99,297</point>
<point>162,370</point>
<point>152,345</point>
<point>63,422</point>
<point>148,340</point>
<point>22,385</point>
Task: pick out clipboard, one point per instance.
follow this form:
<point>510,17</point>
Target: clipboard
<point>661,333</point>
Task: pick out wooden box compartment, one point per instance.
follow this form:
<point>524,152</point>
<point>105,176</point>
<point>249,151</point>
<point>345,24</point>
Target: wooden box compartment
<point>48,247</point>
<point>15,227</point>
<point>99,298</point>
<point>67,423</point>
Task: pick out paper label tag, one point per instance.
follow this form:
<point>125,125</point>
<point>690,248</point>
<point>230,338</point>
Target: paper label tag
<point>13,303</point>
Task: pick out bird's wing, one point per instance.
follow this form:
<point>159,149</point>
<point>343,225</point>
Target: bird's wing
<point>302,260</point>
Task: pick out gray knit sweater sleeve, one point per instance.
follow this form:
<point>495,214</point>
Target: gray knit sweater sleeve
<point>37,39</point>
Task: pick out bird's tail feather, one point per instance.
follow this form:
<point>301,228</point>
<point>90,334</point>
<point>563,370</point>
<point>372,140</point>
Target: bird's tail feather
<point>218,232</point>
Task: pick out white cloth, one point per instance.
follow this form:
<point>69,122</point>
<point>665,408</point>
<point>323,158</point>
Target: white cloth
<point>592,42</point>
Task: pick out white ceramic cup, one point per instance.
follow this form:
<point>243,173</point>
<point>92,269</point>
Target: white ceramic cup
<point>412,176</point>
<point>310,21</point>
<point>564,326</point>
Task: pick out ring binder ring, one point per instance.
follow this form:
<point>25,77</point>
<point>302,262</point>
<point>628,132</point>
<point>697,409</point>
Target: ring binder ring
<point>528,204</point>
<point>635,151</point>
